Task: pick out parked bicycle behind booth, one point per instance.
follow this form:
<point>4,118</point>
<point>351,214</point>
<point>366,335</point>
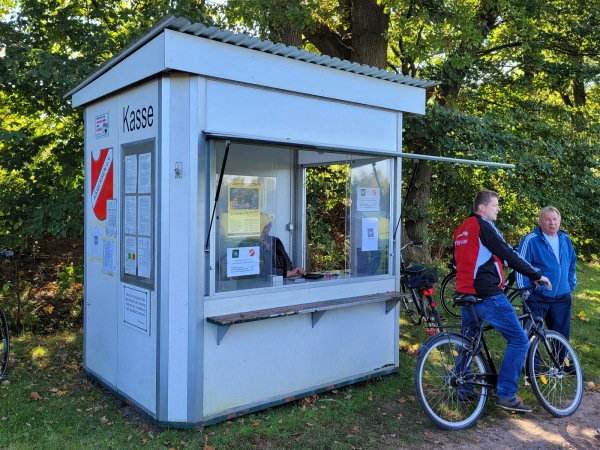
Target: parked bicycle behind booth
<point>448,288</point>
<point>417,283</point>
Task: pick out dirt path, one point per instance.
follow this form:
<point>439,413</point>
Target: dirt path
<point>537,430</point>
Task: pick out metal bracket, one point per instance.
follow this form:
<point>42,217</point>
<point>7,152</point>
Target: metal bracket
<point>316,315</point>
<point>221,330</point>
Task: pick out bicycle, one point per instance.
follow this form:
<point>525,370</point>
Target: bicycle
<point>448,288</point>
<point>417,283</point>
<point>4,336</point>
<point>455,373</point>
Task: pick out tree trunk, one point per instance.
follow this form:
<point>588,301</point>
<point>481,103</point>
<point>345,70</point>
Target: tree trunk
<point>417,201</point>
<point>369,26</point>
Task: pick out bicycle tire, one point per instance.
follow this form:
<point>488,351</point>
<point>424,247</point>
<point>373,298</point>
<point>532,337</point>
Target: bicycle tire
<point>431,313</point>
<point>4,345</point>
<point>447,290</point>
<point>558,389</point>
<point>437,318</point>
<point>435,382</point>
<point>412,305</point>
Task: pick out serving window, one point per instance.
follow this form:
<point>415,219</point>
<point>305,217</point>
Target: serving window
<point>282,210</point>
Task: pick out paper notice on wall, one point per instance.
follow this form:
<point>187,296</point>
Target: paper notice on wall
<point>136,308</point>
<point>243,261</point>
<point>144,257</point>
<point>144,216</point>
<point>109,257</point>
<point>131,214</point>
<point>111,217</point>
<point>102,126</point>
<point>145,173</point>
<point>370,233</point>
<point>131,174</point>
<point>244,209</point>
<point>130,255</point>
<point>368,199</point>
<point>96,247</point>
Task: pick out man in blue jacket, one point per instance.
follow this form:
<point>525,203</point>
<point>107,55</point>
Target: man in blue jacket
<point>550,250</point>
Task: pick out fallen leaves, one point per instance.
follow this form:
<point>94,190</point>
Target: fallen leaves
<point>58,392</point>
<point>581,316</point>
<point>206,446</point>
<point>34,396</point>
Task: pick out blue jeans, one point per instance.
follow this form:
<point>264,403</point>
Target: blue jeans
<point>555,312</point>
<point>499,313</point>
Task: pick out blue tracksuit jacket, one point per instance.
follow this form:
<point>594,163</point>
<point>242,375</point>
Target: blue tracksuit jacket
<point>535,248</point>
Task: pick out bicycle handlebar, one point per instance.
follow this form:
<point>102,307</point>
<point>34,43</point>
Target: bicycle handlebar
<point>412,244</point>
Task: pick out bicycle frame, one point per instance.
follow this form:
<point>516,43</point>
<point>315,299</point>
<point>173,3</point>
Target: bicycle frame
<point>480,346</point>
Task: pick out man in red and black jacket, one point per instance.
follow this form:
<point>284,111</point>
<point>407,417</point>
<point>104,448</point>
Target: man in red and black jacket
<point>479,252</point>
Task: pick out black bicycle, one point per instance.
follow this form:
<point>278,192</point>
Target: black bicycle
<point>448,288</point>
<point>417,283</point>
<point>4,336</point>
<point>455,373</point>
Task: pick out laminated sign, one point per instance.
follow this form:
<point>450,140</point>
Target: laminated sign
<point>102,181</point>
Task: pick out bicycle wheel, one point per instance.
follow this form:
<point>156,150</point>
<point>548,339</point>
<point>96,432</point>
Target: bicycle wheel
<point>432,313</point>
<point>447,292</point>
<point>412,305</point>
<point>4,345</point>
<point>435,318</point>
<point>439,374</point>
<point>558,389</point>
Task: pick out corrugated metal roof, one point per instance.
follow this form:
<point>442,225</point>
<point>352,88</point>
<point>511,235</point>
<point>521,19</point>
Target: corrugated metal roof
<point>183,25</point>
<point>197,29</point>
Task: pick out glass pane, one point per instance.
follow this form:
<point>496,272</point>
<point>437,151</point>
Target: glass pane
<point>257,236</point>
<point>249,214</point>
<point>371,216</point>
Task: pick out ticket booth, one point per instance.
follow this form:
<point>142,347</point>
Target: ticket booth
<point>198,147</point>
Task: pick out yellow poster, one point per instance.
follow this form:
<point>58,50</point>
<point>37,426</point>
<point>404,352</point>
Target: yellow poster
<point>244,209</point>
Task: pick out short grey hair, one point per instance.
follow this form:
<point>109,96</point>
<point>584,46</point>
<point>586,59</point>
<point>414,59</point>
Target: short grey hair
<point>548,209</point>
<point>483,198</point>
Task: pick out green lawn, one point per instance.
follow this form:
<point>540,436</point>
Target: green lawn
<point>48,402</point>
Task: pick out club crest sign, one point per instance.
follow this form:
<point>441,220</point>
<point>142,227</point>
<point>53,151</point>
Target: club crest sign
<point>102,181</point>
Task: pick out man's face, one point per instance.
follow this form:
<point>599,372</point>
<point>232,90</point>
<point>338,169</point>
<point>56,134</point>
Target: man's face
<point>550,223</point>
<point>490,211</point>
<point>265,231</point>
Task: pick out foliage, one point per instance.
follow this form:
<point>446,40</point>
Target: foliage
<point>41,296</point>
<point>47,47</point>
<point>327,205</point>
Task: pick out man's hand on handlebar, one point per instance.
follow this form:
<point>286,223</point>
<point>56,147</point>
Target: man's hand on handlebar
<point>544,281</point>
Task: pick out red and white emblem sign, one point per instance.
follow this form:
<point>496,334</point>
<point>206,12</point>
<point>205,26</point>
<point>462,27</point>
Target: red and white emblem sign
<point>102,181</point>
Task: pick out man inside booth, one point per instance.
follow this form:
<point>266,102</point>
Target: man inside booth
<point>274,260</point>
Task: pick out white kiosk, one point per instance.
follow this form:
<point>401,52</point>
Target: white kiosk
<point>195,138</point>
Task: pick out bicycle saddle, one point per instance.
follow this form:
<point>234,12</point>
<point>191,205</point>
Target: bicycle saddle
<point>465,299</point>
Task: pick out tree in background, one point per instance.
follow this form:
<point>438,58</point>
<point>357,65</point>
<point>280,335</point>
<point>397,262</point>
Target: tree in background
<point>47,47</point>
<point>518,84</point>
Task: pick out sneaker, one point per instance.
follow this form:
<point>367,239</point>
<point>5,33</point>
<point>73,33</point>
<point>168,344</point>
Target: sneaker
<point>513,404</point>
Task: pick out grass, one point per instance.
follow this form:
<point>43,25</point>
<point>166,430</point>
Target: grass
<point>48,402</point>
